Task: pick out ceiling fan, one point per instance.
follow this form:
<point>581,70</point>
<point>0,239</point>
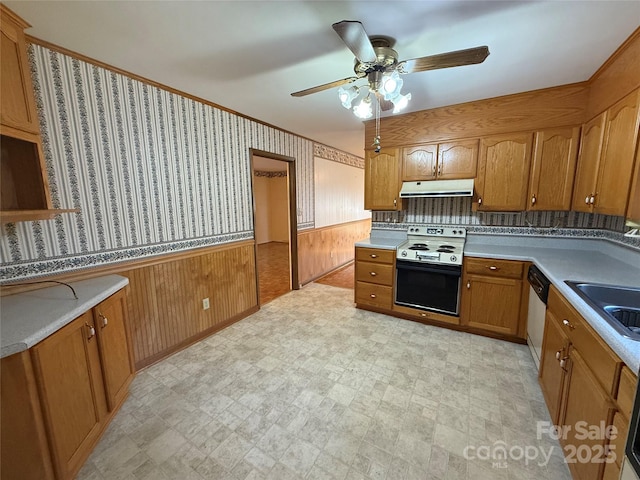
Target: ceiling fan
<point>378,62</point>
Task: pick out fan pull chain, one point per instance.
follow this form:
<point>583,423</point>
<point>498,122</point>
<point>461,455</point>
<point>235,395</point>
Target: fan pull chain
<point>376,140</point>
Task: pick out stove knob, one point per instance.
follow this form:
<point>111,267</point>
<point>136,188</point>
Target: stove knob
<point>454,232</point>
<point>404,254</point>
<point>453,258</point>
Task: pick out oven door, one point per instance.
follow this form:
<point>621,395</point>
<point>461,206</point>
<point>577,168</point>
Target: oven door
<point>428,286</point>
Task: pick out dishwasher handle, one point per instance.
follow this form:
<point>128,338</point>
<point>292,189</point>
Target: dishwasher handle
<point>539,283</point>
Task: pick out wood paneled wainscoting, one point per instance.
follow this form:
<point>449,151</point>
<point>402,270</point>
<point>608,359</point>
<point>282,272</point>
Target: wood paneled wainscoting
<point>322,250</point>
<point>165,299</point>
<point>165,293</point>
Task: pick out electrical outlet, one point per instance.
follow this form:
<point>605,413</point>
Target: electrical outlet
<point>205,303</point>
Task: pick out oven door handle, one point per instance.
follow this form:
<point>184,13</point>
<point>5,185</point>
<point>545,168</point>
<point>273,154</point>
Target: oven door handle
<point>454,272</point>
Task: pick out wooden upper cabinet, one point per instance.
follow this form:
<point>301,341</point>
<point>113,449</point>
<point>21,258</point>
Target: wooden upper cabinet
<point>458,159</point>
<point>382,180</point>
<point>555,154</point>
<point>23,176</point>
<point>584,186</point>
<point>503,172</point>
<point>450,160</point>
<point>607,152</point>
<point>419,163</point>
<point>618,152</point>
<point>633,210</point>
<point>18,104</point>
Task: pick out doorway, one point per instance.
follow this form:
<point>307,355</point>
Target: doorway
<point>275,224</point>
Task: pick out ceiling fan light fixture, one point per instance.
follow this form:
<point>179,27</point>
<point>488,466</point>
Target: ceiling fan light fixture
<point>391,85</point>
<point>348,95</point>
<point>363,110</point>
<point>400,102</point>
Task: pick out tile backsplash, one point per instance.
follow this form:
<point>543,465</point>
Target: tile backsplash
<point>457,211</point>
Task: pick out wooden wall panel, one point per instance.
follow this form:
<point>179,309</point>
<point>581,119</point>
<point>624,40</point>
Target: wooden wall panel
<point>547,108</point>
<point>165,299</point>
<point>324,249</point>
<point>616,78</point>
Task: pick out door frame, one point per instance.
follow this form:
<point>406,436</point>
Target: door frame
<point>293,217</point>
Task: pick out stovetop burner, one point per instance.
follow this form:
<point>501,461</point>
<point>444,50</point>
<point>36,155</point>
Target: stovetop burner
<point>433,245</point>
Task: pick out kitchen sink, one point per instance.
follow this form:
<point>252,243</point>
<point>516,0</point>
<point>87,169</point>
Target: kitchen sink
<point>619,306</point>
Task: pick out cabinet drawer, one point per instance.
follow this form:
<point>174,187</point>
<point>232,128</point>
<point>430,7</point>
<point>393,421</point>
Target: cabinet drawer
<point>374,273</point>
<point>602,361</point>
<point>375,255</point>
<point>498,268</point>
<point>372,294</point>
<point>626,391</point>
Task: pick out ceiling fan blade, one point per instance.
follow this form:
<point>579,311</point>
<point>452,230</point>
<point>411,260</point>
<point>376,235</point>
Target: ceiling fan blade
<point>355,37</point>
<point>325,86</point>
<point>456,58</point>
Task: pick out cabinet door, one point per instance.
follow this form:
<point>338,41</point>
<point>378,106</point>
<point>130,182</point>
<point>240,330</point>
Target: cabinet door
<point>587,405</point>
<point>67,366</point>
<point>616,162</point>
<point>419,163</point>
<point>584,186</point>
<point>381,180</point>
<point>553,169</point>
<point>115,354</point>
<point>492,304</point>
<point>555,351</point>
<point>17,109</point>
<point>633,209</point>
<point>503,172</point>
<point>457,159</point>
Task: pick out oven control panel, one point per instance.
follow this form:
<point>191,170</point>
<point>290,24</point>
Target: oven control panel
<point>438,231</point>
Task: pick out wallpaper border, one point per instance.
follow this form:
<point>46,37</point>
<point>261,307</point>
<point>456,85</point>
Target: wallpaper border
<point>330,153</point>
<point>14,271</point>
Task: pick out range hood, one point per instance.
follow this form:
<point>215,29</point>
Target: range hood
<point>437,188</point>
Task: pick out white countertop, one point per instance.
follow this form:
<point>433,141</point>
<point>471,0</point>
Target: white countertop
<point>27,318</point>
<point>560,259</point>
<point>386,240</point>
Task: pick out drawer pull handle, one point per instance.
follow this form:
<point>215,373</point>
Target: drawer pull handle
<point>563,362</point>
<point>479,200</point>
<point>493,268</point>
<point>592,200</point>
<point>533,200</point>
<point>586,199</point>
<point>104,320</point>
<point>568,324</point>
<point>373,274</point>
<point>558,353</point>
<point>373,255</point>
<point>373,295</point>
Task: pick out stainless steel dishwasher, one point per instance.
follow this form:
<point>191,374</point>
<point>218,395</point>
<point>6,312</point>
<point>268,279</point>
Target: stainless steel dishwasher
<point>538,294</point>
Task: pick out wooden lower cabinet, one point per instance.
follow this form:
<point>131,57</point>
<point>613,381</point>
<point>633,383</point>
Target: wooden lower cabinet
<point>493,297</point>
<point>587,390</point>
<point>67,366</point>
<point>553,365</point>
<point>374,275</point>
<point>116,356</point>
<point>77,377</point>
<point>587,406</point>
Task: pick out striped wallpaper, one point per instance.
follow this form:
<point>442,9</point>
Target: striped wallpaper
<point>150,171</point>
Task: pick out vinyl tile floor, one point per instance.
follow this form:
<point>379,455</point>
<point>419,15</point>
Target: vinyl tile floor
<point>310,387</point>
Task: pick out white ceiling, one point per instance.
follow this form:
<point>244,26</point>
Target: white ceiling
<point>249,56</point>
